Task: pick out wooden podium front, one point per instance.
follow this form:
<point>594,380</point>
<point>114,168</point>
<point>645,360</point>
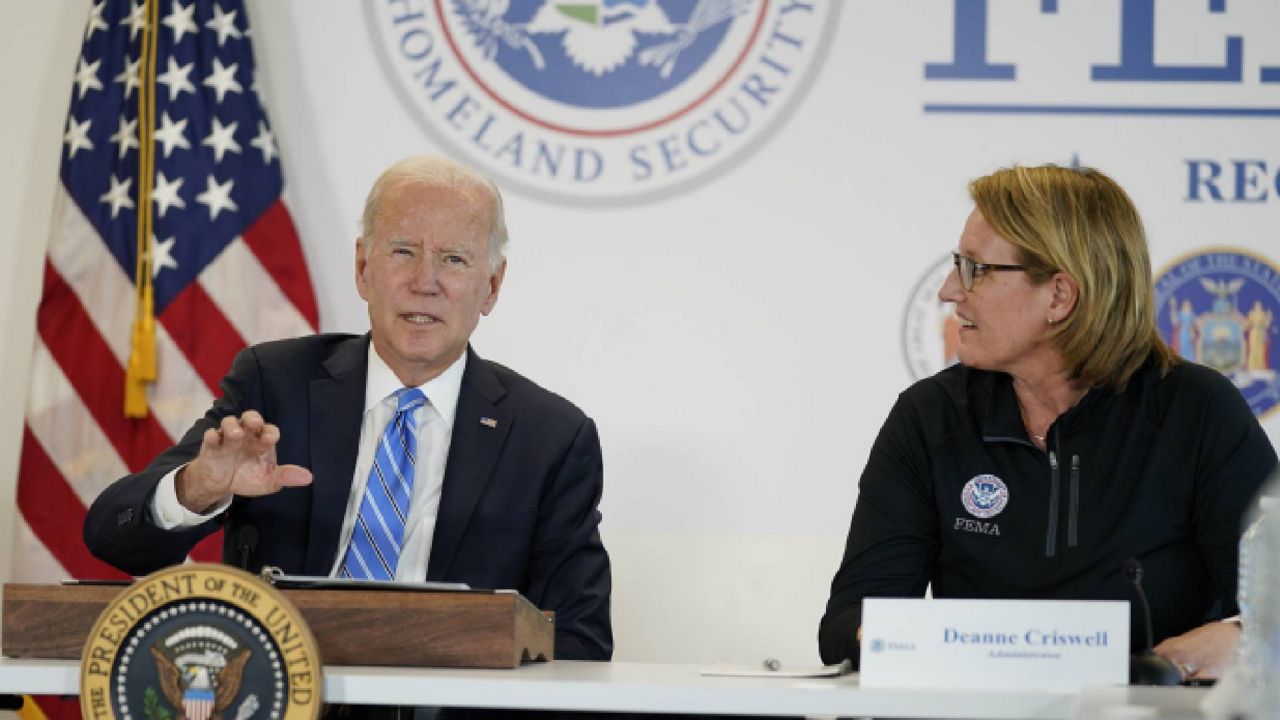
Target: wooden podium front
<point>352,627</point>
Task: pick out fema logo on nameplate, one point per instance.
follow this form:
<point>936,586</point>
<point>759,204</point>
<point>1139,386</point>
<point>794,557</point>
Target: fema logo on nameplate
<point>617,100</point>
<point>200,642</point>
<point>930,328</point>
<point>1219,307</point>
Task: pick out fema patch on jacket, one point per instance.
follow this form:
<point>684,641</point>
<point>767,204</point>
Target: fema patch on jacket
<point>984,496</point>
<point>1218,307</point>
<point>200,642</point>
<point>601,99</point>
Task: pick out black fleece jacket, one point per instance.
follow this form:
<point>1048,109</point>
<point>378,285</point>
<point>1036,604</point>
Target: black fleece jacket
<point>1162,472</point>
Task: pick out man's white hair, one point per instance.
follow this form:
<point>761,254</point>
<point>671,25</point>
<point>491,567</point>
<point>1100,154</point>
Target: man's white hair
<point>438,171</point>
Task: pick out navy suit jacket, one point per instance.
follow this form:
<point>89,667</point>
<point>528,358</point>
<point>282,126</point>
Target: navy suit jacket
<point>518,508</point>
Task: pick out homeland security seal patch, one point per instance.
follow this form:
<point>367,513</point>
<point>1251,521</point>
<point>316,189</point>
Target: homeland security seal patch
<point>200,642</point>
<point>1219,307</point>
<point>985,496</point>
<point>616,100</point>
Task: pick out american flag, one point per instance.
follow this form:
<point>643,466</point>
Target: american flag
<point>166,131</point>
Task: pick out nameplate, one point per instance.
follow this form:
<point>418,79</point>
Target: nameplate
<point>1040,644</point>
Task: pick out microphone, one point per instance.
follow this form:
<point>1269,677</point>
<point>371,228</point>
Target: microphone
<point>246,541</point>
<point>1146,667</point>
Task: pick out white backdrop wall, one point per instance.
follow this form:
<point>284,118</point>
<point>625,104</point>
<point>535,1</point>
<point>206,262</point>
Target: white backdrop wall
<point>740,340</point>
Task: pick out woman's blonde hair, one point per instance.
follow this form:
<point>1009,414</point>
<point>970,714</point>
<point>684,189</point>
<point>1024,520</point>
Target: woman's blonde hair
<point>1080,222</point>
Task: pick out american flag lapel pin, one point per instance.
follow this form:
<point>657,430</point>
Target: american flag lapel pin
<point>488,422</point>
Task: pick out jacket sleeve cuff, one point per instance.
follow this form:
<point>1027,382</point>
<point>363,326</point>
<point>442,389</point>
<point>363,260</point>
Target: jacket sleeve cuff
<point>169,514</point>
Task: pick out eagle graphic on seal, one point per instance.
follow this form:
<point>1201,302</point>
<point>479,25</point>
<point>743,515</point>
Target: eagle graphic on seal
<point>200,691</point>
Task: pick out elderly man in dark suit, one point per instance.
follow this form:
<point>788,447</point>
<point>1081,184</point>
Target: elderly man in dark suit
<point>400,454</point>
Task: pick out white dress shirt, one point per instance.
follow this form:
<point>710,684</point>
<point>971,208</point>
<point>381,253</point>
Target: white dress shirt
<point>435,430</point>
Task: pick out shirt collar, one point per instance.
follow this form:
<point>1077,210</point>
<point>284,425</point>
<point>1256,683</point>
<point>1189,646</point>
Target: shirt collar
<point>1002,419</point>
<point>442,391</point>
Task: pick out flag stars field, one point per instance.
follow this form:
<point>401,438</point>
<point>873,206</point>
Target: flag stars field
<point>181,20</point>
<point>96,22</point>
<point>224,24</point>
<point>172,134</point>
<point>162,255</point>
<point>126,136</point>
<point>130,77</point>
<point>166,194</point>
<point>217,197</point>
<point>77,137</point>
<point>87,77</point>
<point>118,195</point>
<point>177,78</point>
<point>222,139</point>
<point>223,79</point>
<point>137,20</point>
<point>266,142</point>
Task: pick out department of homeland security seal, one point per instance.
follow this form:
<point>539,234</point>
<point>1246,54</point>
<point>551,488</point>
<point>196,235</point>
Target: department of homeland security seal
<point>200,642</point>
<point>930,328</point>
<point>614,100</point>
<point>1219,307</point>
<point>984,496</point>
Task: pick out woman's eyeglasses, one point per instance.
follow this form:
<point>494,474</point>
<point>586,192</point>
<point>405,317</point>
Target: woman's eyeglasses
<point>971,270</point>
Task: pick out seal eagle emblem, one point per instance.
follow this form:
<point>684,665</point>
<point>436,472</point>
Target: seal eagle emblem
<point>589,100</point>
<point>1218,307</point>
<point>200,642</point>
<point>203,684</point>
<point>985,496</point>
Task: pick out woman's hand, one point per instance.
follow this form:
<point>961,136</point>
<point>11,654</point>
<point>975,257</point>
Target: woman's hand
<point>1202,653</point>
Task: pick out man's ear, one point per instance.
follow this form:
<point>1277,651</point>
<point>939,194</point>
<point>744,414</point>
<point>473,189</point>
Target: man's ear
<point>495,285</point>
<point>361,262</point>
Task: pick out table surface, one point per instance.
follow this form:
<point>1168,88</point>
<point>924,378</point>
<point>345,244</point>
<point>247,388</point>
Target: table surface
<point>662,688</point>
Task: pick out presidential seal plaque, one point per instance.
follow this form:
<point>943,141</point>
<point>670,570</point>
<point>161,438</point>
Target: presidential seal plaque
<point>200,642</point>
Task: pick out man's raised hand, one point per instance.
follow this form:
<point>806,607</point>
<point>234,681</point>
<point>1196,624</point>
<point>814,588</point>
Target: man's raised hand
<point>236,458</point>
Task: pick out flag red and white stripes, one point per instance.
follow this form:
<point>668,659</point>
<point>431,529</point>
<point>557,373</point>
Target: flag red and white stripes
<point>224,259</point>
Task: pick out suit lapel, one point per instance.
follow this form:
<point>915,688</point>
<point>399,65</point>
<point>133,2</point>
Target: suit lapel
<point>479,430</point>
<point>337,409</point>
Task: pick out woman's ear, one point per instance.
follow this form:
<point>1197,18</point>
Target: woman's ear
<point>1066,292</point>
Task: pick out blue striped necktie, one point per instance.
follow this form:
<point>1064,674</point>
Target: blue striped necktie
<point>379,530</point>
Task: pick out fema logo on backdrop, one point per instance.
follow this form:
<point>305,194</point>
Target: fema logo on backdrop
<point>601,99</point>
<point>1220,308</point>
<point>930,328</point>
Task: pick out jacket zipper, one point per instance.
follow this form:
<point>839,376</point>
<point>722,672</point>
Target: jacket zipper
<point>1075,501</point>
<point>1051,537</point>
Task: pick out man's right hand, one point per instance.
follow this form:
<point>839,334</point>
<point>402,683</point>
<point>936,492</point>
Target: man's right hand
<point>236,458</point>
